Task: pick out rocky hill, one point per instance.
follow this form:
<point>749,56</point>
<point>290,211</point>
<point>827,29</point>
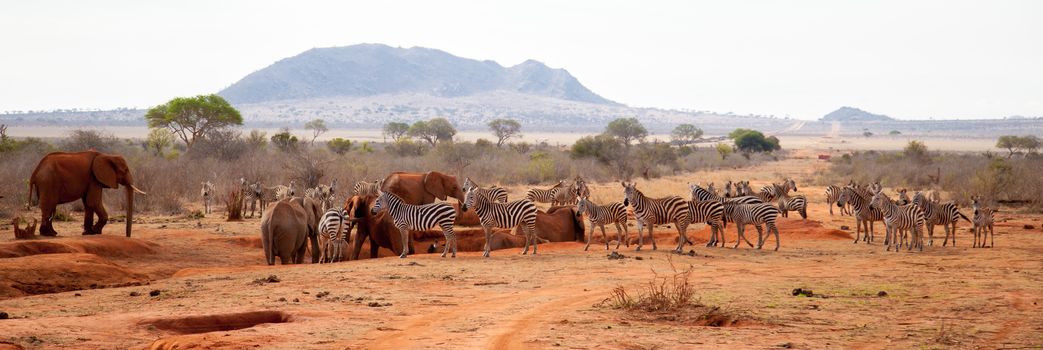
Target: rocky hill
<point>851,114</point>
<point>376,69</point>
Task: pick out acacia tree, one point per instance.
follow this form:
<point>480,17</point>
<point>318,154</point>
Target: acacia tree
<point>396,130</point>
<point>158,140</point>
<point>1015,144</point>
<point>433,131</point>
<point>317,127</point>
<point>627,130</point>
<point>504,129</point>
<point>191,118</point>
<point>686,134</point>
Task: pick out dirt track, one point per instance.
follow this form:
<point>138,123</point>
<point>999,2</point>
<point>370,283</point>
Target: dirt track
<point>944,297</point>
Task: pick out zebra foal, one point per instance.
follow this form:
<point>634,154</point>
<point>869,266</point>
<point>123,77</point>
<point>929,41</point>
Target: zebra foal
<point>599,215</point>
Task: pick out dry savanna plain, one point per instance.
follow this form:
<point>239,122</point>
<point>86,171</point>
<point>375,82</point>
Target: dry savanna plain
<point>202,283</point>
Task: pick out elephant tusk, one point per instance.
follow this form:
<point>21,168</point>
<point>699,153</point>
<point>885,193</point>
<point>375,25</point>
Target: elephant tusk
<point>138,191</point>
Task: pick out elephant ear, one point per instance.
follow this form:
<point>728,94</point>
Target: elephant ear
<point>104,170</point>
<point>434,183</point>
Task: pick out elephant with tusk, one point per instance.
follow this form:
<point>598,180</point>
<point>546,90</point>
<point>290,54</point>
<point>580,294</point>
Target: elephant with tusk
<point>62,177</point>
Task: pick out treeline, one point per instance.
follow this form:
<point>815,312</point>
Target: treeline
<point>200,139</point>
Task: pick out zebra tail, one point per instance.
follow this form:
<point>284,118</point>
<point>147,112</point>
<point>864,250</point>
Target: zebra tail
<point>964,217</point>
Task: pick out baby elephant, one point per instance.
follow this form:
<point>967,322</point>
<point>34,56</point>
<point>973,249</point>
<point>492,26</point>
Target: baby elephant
<point>208,196</point>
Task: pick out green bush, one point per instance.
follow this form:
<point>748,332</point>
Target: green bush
<point>339,145</point>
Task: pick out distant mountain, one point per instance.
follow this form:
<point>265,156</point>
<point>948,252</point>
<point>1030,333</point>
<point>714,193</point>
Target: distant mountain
<point>851,114</point>
<point>376,69</point>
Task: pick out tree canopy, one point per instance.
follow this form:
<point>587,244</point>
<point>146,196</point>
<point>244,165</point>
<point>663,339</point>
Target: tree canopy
<point>396,130</point>
<point>686,134</point>
<point>751,141</point>
<point>504,129</point>
<point>433,131</point>
<point>317,127</point>
<point>1015,144</point>
<point>191,118</point>
<point>627,130</point>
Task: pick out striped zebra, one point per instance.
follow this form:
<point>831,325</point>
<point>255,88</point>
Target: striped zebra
<point>285,191</point>
<point>756,215</point>
<point>702,194</point>
<point>539,195</point>
<point>832,196</point>
<point>936,197</point>
<point>983,220</point>
<point>599,215</point>
<point>326,194</point>
<point>903,197</point>
<point>712,189</point>
<point>332,236</point>
<point>565,195</point>
<point>944,214</point>
<point>505,215</point>
<point>900,220</point>
<point>418,217</point>
<point>208,195</point>
<point>728,189</point>
<point>865,215</point>
<point>712,213</point>
<point>581,187</point>
<point>498,194</point>
<point>798,203</point>
<point>363,188</point>
<point>652,211</point>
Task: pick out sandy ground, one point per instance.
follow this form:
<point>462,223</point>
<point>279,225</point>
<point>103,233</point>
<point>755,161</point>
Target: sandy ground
<point>213,291</point>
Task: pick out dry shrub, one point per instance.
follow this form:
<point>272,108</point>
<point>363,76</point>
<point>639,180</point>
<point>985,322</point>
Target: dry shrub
<point>29,232</point>
<point>671,298</point>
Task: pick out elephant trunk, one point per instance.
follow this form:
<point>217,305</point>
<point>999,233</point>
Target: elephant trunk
<point>130,208</point>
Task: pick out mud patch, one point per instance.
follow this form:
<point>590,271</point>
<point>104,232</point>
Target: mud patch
<point>218,322</point>
<point>108,246</point>
<point>54,273</point>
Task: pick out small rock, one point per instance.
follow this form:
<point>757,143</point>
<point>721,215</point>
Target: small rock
<point>4,315</point>
<point>78,294</point>
<point>616,256</point>
<point>374,304</point>
<point>786,345</point>
<point>846,228</point>
<point>296,300</point>
<point>1029,227</point>
<point>804,292</point>
<point>154,293</point>
<point>282,299</point>
<point>134,294</point>
<point>881,294</point>
<point>691,253</point>
<point>639,258</point>
<point>321,294</point>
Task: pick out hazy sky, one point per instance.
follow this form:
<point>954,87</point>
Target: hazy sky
<point>907,59</point>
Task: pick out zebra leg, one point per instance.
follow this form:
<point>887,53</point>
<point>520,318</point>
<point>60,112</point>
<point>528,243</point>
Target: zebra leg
<point>488,238</point>
<point>535,238</point>
<point>447,231</point>
<point>720,232</point>
<point>527,239</point>
<point>830,204</point>
<point>761,237</point>
<point>772,227</point>
<point>640,236</point>
<point>405,242</point>
<point>946,242</point>
<point>604,236</point>
<point>651,236</point>
<point>804,211</point>
<point>858,229</point>
<point>712,242</point>
<point>619,236</point>
<point>930,234</point>
<point>871,232</point>
<point>590,235</point>
<point>992,232</point>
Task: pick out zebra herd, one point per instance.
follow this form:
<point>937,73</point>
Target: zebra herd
<point>904,219</point>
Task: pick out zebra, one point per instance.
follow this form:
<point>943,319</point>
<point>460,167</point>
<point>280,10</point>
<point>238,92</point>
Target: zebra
<point>728,190</point>
<point>832,196</point>
<point>900,219</point>
<point>798,203</point>
<point>599,215</point>
<point>208,195</point>
<point>332,243</point>
<point>418,217</point>
<point>498,194</point>
<point>865,215</point>
<point>652,211</point>
<point>581,187</point>
<point>936,197</point>
<point>903,197</point>
<point>285,191</point>
<point>539,195</point>
<point>712,189</point>
<point>944,214</point>
<point>565,195</point>
<point>505,215</point>
<point>755,214</point>
<point>325,194</point>
<point>702,194</point>
<point>363,188</point>
<point>983,220</point>
<point>710,212</point>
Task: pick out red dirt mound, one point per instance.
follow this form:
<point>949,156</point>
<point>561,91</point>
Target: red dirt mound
<point>791,228</point>
<point>217,322</point>
<point>54,273</point>
<point>108,246</point>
